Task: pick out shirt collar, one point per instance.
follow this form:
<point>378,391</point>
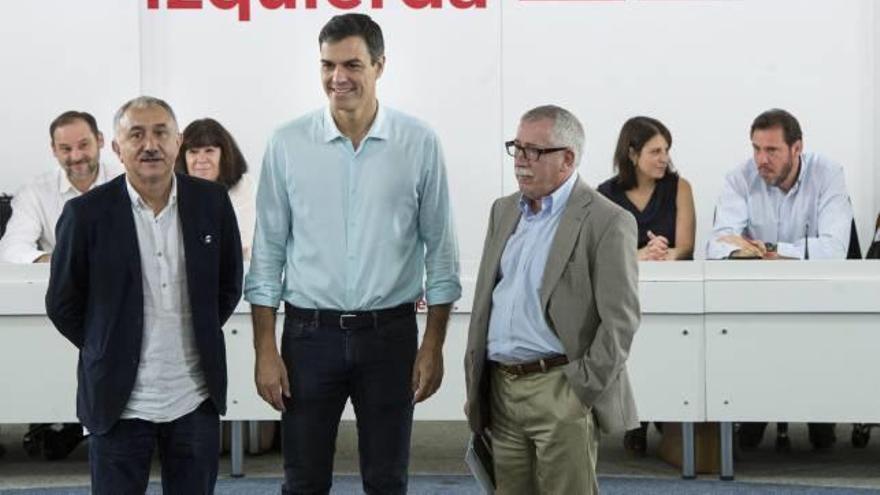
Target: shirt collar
<point>802,172</point>
<point>138,202</point>
<point>378,130</point>
<point>552,203</point>
<point>65,186</point>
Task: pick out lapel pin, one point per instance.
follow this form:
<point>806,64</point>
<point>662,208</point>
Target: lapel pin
<point>207,239</point>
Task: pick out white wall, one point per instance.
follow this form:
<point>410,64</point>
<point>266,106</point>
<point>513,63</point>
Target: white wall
<point>60,55</point>
<point>706,68</point>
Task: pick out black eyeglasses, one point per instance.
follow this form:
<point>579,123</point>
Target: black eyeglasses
<point>530,153</point>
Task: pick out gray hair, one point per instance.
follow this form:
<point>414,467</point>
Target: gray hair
<point>141,102</point>
<point>567,129</point>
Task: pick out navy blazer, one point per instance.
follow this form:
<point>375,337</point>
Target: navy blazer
<point>95,296</point>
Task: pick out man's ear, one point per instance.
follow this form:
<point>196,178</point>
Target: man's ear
<point>797,147</point>
<point>115,147</point>
<point>380,66</point>
<point>100,140</point>
<point>569,159</point>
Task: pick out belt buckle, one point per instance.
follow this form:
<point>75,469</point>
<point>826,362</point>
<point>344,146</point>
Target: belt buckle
<point>342,318</point>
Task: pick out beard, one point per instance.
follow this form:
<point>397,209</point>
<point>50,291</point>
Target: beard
<point>76,172</point>
<point>778,180</point>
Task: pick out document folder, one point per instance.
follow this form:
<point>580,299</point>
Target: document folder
<point>479,460</point>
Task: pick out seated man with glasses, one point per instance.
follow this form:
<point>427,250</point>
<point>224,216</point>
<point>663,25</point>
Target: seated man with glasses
<point>554,313</point>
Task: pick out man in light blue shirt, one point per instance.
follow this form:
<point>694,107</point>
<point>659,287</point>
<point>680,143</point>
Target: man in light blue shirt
<point>353,227</point>
<point>783,202</point>
<point>518,332</point>
<point>554,313</point>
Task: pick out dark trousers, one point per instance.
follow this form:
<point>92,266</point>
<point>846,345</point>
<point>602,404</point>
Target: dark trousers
<point>188,452</point>
<point>326,366</point>
<point>821,434</point>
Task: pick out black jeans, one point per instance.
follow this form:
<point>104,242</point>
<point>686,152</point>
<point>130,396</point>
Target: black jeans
<point>119,460</point>
<point>326,366</point>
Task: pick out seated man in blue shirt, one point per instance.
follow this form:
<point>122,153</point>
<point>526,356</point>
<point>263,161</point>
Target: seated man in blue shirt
<point>353,209</point>
<point>782,203</point>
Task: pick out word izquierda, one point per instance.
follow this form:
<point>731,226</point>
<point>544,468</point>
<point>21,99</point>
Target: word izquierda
<point>244,6</point>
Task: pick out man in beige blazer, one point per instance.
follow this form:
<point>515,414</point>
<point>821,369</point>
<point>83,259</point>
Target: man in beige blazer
<point>554,313</point>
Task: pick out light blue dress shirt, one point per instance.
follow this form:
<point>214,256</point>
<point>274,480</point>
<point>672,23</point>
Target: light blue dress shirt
<point>816,207</point>
<point>345,229</point>
<point>518,332</point>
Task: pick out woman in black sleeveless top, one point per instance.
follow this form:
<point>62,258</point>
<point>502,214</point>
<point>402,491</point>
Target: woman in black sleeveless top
<point>647,186</point>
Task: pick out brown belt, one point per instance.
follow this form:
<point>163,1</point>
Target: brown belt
<point>541,365</point>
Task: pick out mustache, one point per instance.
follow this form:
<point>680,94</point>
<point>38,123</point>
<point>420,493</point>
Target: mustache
<point>81,161</point>
<point>150,155</point>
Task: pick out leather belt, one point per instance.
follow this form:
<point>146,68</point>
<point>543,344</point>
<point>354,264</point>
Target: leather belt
<point>542,365</point>
<point>349,320</point>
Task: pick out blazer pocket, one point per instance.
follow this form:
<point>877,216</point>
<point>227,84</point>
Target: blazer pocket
<point>571,299</point>
<point>576,276</point>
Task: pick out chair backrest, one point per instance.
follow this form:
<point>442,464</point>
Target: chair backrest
<point>854,252</point>
<point>5,211</point>
<point>874,250</point>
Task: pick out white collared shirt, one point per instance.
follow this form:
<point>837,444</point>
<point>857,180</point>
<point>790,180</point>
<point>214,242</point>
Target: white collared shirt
<point>815,214</point>
<point>169,382</point>
<point>36,207</point>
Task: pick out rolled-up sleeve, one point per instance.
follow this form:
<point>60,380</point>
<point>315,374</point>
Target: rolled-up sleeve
<point>272,234</point>
<point>437,229</point>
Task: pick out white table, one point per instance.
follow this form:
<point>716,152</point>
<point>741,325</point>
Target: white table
<point>699,320</point>
<point>38,378</point>
<point>791,341</point>
<point>666,363</point>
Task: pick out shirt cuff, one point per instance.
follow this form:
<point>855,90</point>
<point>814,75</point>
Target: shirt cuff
<point>447,294</point>
<point>719,250</point>
<point>789,250</point>
<point>262,300</point>
<point>22,256</point>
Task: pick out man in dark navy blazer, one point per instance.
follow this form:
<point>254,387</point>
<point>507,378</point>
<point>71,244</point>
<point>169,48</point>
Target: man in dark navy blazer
<point>146,270</point>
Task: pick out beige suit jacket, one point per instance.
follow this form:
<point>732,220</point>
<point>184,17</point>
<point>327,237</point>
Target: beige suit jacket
<point>590,299</point>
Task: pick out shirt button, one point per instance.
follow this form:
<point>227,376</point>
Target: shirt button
<point>159,254</point>
<point>164,285</point>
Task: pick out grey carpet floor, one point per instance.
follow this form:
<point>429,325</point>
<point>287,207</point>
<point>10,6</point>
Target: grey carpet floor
<point>465,485</point>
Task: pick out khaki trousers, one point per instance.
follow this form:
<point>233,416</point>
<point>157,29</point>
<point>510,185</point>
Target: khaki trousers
<point>544,439</point>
